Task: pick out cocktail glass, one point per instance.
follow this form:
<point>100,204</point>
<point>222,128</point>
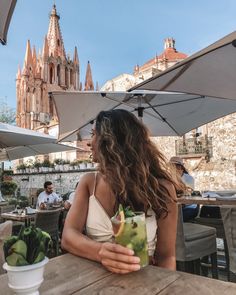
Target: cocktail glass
<point>131,233</point>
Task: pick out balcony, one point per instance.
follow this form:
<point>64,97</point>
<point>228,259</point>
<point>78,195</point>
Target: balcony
<point>194,147</point>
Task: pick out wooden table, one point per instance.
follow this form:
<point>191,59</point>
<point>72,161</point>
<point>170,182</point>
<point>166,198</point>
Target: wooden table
<point>68,274</point>
<point>204,201</point>
<point>26,218</point>
<point>3,203</point>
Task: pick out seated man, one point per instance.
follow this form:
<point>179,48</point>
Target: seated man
<point>47,196</point>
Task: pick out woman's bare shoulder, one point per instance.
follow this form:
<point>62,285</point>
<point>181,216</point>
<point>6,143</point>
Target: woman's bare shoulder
<point>88,177</point>
<point>168,185</point>
<point>87,181</point>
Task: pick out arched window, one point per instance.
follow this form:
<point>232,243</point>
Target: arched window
<point>66,77</point>
<point>51,73</point>
<point>58,75</point>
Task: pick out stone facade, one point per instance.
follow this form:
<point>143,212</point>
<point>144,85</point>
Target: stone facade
<point>63,182</point>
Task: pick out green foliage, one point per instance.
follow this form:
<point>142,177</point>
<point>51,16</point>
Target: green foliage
<point>8,187</point>
<point>37,164</point>
<point>23,202</point>
<point>58,162</point>
<point>29,247</point>
<point>13,201</point>
<point>7,172</point>
<point>46,163</point>
<point>20,202</point>
<point>21,167</point>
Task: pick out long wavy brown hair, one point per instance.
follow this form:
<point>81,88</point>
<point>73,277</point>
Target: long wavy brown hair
<point>131,163</point>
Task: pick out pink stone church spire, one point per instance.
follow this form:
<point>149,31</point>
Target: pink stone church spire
<point>54,36</point>
<point>76,58</point>
<point>28,54</point>
<point>88,79</point>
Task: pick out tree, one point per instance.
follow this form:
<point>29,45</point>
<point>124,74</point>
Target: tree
<point>7,113</point>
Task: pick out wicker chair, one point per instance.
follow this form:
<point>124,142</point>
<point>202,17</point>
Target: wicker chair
<point>229,221</point>
<point>193,242</point>
<point>48,221</point>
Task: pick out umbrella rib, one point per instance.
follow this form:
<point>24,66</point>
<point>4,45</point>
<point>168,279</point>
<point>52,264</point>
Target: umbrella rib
<point>163,119</point>
<point>174,102</point>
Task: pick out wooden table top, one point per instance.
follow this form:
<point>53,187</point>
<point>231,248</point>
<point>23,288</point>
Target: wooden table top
<point>17,217</point>
<point>3,203</point>
<point>68,274</point>
<point>205,201</point>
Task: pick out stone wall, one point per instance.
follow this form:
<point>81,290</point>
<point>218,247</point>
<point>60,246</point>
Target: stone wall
<point>63,182</point>
<point>220,172</point>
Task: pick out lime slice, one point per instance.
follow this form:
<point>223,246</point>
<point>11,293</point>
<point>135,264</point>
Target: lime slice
<point>118,223</point>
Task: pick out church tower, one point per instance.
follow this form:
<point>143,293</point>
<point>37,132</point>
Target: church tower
<point>88,85</point>
<point>52,70</point>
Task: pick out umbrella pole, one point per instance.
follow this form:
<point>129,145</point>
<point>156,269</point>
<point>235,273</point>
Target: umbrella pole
<point>140,109</point>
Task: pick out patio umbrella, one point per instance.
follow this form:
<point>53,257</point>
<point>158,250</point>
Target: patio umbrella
<point>16,143</point>
<point>6,10</point>
<point>18,152</point>
<point>11,136</point>
<point>165,114</point>
<point>209,72</point>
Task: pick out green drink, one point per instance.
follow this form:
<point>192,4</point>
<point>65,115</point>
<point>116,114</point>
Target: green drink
<point>131,233</point>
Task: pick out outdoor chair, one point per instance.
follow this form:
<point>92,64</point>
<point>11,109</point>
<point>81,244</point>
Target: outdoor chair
<point>48,221</point>
<point>215,220</point>
<point>193,242</point>
<point>229,221</point>
<point>5,232</point>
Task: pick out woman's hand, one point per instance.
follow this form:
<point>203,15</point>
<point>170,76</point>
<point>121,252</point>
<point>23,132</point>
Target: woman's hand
<point>118,259</point>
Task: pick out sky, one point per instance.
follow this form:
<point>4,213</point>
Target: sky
<point>114,35</point>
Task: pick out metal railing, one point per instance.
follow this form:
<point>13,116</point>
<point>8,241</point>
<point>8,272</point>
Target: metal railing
<point>194,147</point>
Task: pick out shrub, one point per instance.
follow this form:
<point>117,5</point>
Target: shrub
<point>8,187</point>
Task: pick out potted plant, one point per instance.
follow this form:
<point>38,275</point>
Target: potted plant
<point>46,164</point>
<point>66,165</point>
<point>25,257</point>
<point>58,163</point>
<point>8,188</point>
<point>37,165</point>
<point>21,168</point>
<point>82,164</point>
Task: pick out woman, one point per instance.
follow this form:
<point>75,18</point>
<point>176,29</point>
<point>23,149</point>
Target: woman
<point>133,172</point>
<point>189,211</point>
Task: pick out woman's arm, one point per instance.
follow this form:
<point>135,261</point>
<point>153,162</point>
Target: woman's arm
<point>114,257</point>
<point>166,234</point>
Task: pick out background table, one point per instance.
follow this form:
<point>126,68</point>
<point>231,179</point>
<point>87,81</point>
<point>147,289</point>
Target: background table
<point>26,218</point>
<point>204,201</point>
<point>68,274</point>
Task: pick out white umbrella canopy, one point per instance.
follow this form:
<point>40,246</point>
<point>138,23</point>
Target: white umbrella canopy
<point>11,136</point>
<point>77,109</point>
<point>13,153</point>
<point>209,72</point>
<point>165,114</point>
<point>6,10</point>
